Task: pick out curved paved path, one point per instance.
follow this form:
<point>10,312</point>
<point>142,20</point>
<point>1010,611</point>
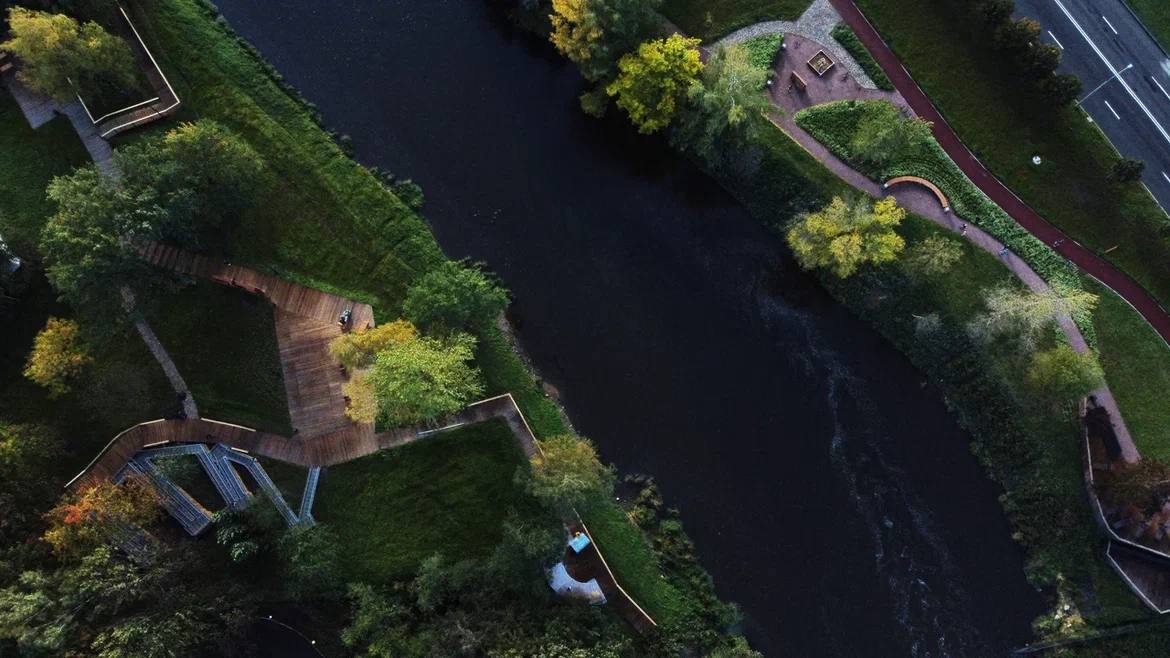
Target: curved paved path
<point>1081,256</point>
<point>915,199</point>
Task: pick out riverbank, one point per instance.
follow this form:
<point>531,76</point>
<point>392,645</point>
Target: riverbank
<point>1031,449</point>
<point>333,196</point>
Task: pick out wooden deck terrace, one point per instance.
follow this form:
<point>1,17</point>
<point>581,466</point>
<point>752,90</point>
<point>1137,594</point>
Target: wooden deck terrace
<point>290,297</point>
<point>312,377</point>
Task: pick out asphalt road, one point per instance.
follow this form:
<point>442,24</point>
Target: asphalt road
<point>1100,38</point>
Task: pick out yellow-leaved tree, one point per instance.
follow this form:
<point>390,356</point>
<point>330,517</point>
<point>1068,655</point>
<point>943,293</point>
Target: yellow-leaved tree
<point>652,81</point>
<point>595,33</point>
<point>58,356</point>
<point>54,49</point>
<point>843,236</point>
<point>358,349</point>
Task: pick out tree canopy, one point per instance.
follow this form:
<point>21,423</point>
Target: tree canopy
<point>844,236</point>
<point>884,135</point>
<point>595,33</point>
<point>455,296</point>
<point>58,357</point>
<point>179,187</point>
<point>653,81</point>
<point>568,474</point>
<point>424,378</point>
<point>932,256</point>
<point>54,49</point>
<point>99,514</point>
<point>1064,375</point>
<point>357,349</point>
<point>722,105</point>
<point>1025,314</point>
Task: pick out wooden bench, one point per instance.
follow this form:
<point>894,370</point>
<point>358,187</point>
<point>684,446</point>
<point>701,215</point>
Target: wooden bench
<point>938,194</point>
<point>798,81</point>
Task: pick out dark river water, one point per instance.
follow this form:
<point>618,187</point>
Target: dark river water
<point>829,492</point>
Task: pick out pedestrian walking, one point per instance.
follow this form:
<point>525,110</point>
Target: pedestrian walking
<point>1003,252</point>
<point>963,230</point>
<point>1058,242</point>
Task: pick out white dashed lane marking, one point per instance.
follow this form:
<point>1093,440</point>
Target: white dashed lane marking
<point>1058,43</point>
<point>1160,87</point>
<point>1115,114</point>
<point>1109,24</point>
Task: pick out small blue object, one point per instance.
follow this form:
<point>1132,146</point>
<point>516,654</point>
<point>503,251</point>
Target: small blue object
<point>579,542</point>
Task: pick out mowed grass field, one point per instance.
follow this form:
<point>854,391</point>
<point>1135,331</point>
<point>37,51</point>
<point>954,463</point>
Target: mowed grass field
<point>224,343</point>
<point>447,494</point>
<point>1156,16</point>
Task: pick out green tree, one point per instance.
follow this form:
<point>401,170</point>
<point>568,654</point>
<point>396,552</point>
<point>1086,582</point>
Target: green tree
<point>652,82</point>
<point>88,242</point>
<point>54,49</point>
<point>995,12</point>
<point>58,357</point>
<point>526,551</point>
<point>201,173</point>
<point>422,379</point>
<point>357,349</point>
<point>310,556</point>
<point>379,625</point>
<point>884,136</point>
<point>932,256</point>
<point>1026,314</point>
<point>1127,170</point>
<point>567,473</point>
<point>454,297</point>
<point>28,454</point>
<point>178,187</point>
<point>1060,90</point>
<point>595,33</point>
<point>1064,375</point>
<point>723,106</point>
<point>844,236</point>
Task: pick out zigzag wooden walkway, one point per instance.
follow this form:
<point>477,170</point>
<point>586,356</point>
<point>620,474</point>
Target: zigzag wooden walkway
<point>292,297</point>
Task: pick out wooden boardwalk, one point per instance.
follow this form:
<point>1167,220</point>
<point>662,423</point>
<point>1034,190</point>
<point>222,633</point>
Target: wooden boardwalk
<point>312,378</point>
<point>291,297</point>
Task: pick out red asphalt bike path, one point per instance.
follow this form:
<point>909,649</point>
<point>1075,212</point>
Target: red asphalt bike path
<point>1025,216</point>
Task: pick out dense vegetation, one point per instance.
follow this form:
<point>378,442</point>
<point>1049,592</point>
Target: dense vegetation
<point>844,35</point>
<point>711,19</point>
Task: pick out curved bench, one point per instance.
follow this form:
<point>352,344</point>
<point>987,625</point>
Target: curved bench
<point>942,198</point>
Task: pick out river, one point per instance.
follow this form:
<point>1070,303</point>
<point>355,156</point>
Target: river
<point>828,490</point>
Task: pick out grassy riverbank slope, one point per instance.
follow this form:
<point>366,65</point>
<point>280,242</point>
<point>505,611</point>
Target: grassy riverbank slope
<point>335,226</point>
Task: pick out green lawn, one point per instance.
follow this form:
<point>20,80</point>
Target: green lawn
<point>448,494</point>
<point>29,159</point>
<point>1156,15</point>
<point>348,230</point>
<point>993,112</point>
<point>712,19</point>
<point>224,343</point>
<point>1137,364</point>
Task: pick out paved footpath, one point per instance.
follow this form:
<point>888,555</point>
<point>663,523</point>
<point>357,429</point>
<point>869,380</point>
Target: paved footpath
<point>913,198</point>
<point>1081,256</point>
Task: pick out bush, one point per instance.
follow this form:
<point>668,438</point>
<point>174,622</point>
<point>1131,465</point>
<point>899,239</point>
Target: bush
<point>58,357</point>
<point>762,50</point>
<point>455,296</point>
<point>1127,170</point>
<point>844,35</point>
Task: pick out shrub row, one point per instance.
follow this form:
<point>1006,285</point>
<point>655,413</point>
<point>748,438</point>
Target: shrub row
<point>844,35</point>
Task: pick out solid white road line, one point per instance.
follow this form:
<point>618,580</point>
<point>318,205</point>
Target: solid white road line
<point>1058,43</point>
<point>1166,177</point>
<point>1132,94</point>
<point>1163,89</point>
<point>1115,114</point>
<point>1109,24</point>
